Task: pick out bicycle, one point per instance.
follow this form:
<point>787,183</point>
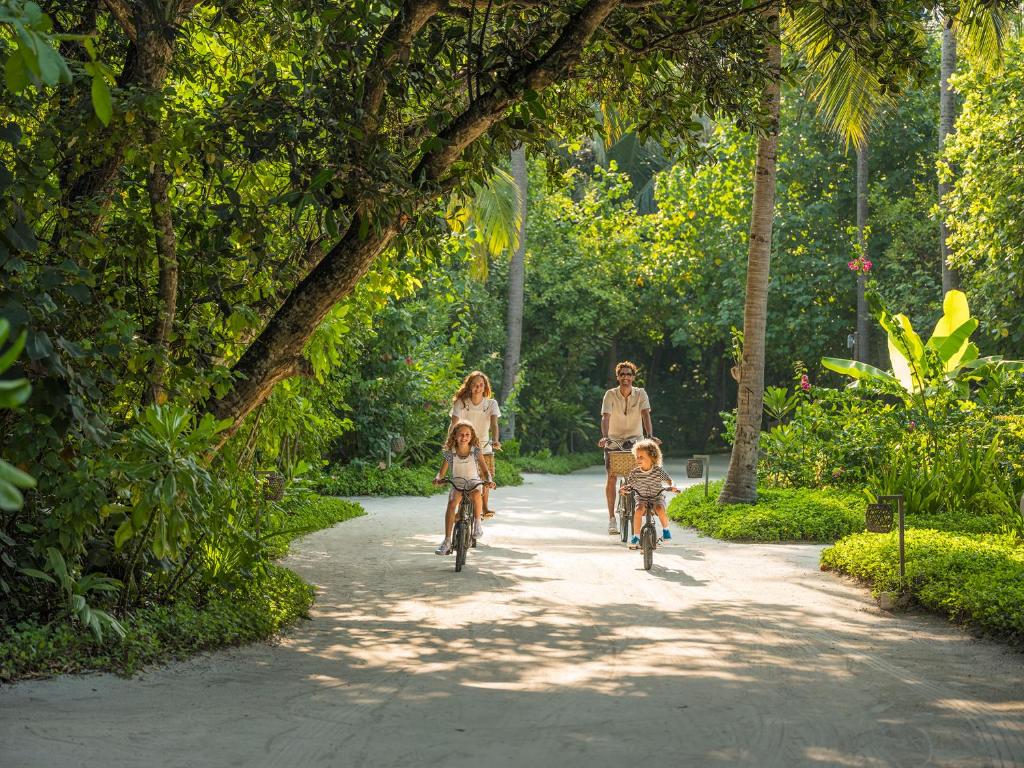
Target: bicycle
<point>648,532</point>
<point>621,462</point>
<point>462,533</point>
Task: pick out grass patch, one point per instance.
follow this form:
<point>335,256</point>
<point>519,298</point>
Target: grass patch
<point>972,578</point>
<point>780,514</point>
<point>366,480</point>
<point>258,607</point>
<point>545,463</point>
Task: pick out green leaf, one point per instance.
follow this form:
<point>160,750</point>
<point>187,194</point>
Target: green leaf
<point>37,574</point>
<point>15,476</point>
<point>952,348</point>
<point>124,533</point>
<point>101,101</point>
<point>857,370</point>
<point>16,74</point>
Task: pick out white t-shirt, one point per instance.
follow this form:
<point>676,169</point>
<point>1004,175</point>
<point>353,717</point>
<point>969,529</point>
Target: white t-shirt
<point>477,415</point>
<point>465,469</point>
<point>625,422</point>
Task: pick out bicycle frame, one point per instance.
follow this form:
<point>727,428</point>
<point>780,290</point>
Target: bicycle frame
<point>624,505</point>
<point>462,533</point>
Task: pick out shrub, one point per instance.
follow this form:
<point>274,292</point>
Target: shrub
<point>261,607</point>
<point>977,578</point>
<point>307,513</point>
<point>780,514</point>
<point>365,480</point>
<point>545,463</point>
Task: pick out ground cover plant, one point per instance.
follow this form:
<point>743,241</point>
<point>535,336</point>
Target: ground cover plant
<point>267,600</point>
<point>974,578</point>
<point>780,514</point>
<point>362,479</point>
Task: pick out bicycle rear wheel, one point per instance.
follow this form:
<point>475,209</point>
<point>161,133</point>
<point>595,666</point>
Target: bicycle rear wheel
<point>648,542</point>
<point>460,539</point>
<point>625,515</point>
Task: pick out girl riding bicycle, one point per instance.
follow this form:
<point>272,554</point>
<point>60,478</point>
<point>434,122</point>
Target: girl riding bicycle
<point>648,480</point>
<point>462,452</point>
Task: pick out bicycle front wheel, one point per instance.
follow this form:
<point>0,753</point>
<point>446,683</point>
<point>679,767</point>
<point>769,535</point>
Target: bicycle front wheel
<point>460,538</point>
<point>648,542</point>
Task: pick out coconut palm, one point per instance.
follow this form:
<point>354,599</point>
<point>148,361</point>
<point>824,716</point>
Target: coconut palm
<point>853,81</point>
<point>516,284</point>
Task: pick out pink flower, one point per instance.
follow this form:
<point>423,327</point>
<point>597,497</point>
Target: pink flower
<point>866,266</point>
<point>805,383</point>
<point>852,265</point>
<point>912,426</point>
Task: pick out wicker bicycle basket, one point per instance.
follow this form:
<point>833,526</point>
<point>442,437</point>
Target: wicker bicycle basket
<point>621,462</point>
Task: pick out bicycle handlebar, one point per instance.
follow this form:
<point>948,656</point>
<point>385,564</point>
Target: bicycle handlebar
<point>469,487</point>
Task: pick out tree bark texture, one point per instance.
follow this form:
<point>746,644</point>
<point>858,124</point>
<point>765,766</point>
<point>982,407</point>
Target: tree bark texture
<point>277,352</point>
<point>948,109</point>
<point>862,349</point>
<point>167,258</point>
<point>741,481</point>
<point>516,286</point>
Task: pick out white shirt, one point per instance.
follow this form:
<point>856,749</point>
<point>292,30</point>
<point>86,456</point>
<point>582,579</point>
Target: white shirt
<point>465,469</point>
<point>624,421</point>
<point>479,416</point>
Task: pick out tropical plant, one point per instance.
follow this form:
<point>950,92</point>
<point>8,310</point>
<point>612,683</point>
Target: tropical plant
<point>920,369</point>
<point>77,590</point>
<point>13,392</point>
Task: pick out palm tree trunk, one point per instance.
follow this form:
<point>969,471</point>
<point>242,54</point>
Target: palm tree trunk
<point>516,283</point>
<point>741,480</point>
<point>947,120</point>
<point>862,349</point>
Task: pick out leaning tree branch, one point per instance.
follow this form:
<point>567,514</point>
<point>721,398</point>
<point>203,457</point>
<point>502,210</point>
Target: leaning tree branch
<point>276,353</point>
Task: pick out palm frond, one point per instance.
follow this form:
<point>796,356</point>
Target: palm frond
<point>489,218</point>
<point>845,80</point>
<point>980,32</point>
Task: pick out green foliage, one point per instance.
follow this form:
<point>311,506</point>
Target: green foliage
<point>258,609</point>
<point>984,162</point>
<point>972,578</point>
<point>306,513</point>
<point>780,514</point>
<point>360,479</point>
<point>13,392</point>
<point>543,462</point>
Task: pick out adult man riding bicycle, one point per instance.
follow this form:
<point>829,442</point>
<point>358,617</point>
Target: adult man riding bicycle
<point>625,418</point>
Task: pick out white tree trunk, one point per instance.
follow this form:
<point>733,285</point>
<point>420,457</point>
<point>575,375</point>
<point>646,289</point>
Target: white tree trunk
<point>862,348</point>
<point>516,284</point>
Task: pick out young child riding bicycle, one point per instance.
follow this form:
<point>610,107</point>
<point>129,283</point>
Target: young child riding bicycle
<point>648,480</point>
<point>462,452</point>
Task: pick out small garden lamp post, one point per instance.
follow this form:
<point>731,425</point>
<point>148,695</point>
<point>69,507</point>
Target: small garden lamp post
<point>699,466</point>
<point>878,519</point>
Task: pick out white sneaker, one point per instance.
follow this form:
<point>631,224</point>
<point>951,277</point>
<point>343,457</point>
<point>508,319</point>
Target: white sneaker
<point>478,530</point>
<point>445,548</point>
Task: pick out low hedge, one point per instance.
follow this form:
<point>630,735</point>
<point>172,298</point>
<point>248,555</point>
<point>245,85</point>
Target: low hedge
<point>545,463</point>
<point>366,480</point>
<point>974,578</point>
<point>780,514</point>
<point>308,513</point>
<point>268,600</point>
<point>257,610</point>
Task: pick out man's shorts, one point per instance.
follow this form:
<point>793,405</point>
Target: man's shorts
<point>489,461</point>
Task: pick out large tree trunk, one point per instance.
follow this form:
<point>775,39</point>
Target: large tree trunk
<point>741,480</point>
<point>516,283</point>
<point>277,353</point>
<point>947,121</point>
<point>862,348</point>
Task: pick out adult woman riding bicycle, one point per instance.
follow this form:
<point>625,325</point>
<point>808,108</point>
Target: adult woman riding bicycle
<point>473,403</point>
<point>625,418</point>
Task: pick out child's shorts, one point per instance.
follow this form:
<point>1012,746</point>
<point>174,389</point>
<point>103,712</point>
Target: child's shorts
<point>658,502</point>
<point>454,493</point>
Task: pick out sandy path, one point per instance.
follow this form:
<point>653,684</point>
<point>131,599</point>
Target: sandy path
<point>552,648</point>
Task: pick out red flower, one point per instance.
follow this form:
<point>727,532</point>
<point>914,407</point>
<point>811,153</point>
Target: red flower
<point>805,383</point>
